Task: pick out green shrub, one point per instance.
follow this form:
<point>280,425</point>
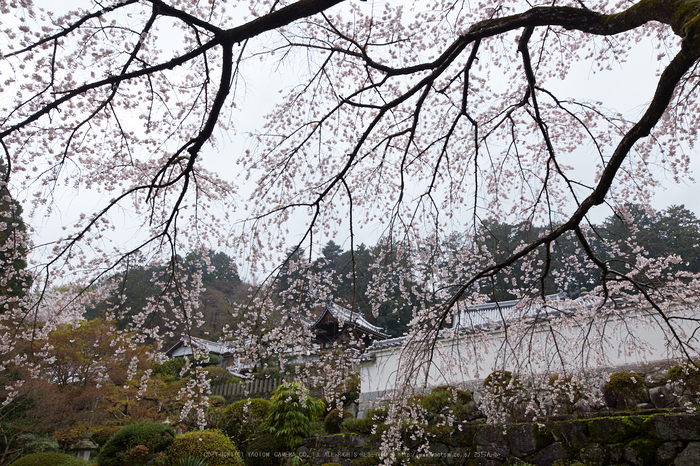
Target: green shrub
<point>261,450</point>
<point>38,443</point>
<point>192,461</point>
<point>211,445</point>
<point>378,413</point>
<point>501,379</point>
<point>346,393</point>
<point>504,394</point>
<point>120,449</point>
<point>217,400</point>
<point>333,422</point>
<point>625,381</point>
<point>217,375</point>
<point>291,413</point>
<point>244,419</point>
<point>566,393</point>
<point>449,398</point>
<point>358,426</point>
<point>687,374</point>
<point>49,459</point>
<point>103,433</point>
<point>169,370</point>
<point>214,360</point>
<point>625,387</point>
<point>373,417</point>
<point>445,397</point>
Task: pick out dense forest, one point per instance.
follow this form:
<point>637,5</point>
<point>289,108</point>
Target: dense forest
<point>141,286</point>
<point>388,280</point>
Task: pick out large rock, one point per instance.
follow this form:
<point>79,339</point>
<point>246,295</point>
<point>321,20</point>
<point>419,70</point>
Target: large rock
<point>605,430</point>
<point>640,452</point>
<point>551,455</point>
<point>676,427</point>
<point>667,452</point>
<point>594,455</point>
<point>614,399</point>
<point>656,379</point>
<point>491,443</point>
<point>489,435</point>
<point>690,456</point>
<point>661,396</point>
<point>615,452</point>
<point>522,441</point>
<point>458,456</point>
<point>473,411</point>
<point>574,433</point>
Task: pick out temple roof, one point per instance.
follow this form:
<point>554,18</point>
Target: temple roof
<point>206,346</point>
<point>346,316</point>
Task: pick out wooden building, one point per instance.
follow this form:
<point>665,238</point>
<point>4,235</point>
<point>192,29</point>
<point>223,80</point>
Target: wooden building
<point>337,323</point>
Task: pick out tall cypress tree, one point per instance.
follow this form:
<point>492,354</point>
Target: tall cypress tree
<point>13,246</point>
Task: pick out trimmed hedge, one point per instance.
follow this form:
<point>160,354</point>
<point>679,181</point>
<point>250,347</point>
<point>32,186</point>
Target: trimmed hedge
<point>502,380</point>
<point>49,459</point>
<point>333,422</point>
<point>243,420</point>
<point>121,449</point>
<point>373,417</point>
<point>211,445</point>
<point>445,396</point>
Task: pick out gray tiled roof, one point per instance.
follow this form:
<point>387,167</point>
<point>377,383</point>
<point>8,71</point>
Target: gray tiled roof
<point>494,314</point>
<point>500,312</point>
<point>356,318</point>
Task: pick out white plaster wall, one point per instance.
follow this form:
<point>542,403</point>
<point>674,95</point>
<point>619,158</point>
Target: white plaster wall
<point>613,341</point>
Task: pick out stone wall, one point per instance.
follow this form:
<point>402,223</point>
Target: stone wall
<point>635,439</point>
<point>659,389</point>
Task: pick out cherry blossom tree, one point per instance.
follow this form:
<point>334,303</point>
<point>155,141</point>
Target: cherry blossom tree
<point>414,120</point>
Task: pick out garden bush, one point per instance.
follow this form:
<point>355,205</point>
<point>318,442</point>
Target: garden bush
<point>217,401</point>
<point>346,393</point>
<point>452,399</point>
<point>625,381</point>
<point>503,395</point>
<point>333,421</point>
<point>292,412</point>
<point>358,426</point>
<point>378,413</point>
<point>104,432</point>
<point>503,380</point>
<point>625,390</point>
<point>443,397</point>
<point>49,459</point>
<point>34,443</point>
<point>243,420</point>
<point>261,450</point>
<point>211,445</point>
<point>217,375</point>
<point>170,370</point>
<point>120,449</point>
<point>373,416</point>
<point>686,374</point>
<point>565,393</point>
